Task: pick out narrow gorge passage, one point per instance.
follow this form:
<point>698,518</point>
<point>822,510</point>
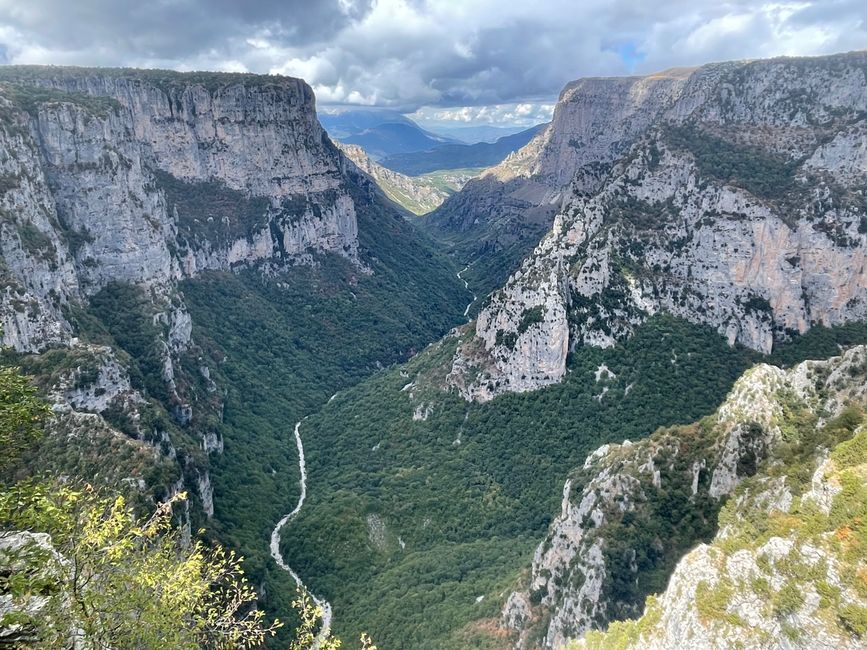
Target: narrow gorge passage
<point>275,542</point>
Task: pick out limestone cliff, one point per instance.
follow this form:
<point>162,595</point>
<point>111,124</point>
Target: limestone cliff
<point>117,184</point>
<point>735,198</point>
<point>418,194</point>
<point>775,574</point>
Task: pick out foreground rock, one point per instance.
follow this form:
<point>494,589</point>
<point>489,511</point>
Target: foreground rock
<point>786,456</point>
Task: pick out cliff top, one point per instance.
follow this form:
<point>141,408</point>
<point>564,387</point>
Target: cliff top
<point>157,77</point>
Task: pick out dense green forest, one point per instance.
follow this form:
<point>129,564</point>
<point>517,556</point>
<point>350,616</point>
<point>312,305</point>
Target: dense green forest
<point>285,344</point>
<point>415,528</point>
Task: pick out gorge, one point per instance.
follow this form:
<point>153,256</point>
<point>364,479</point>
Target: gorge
<point>651,424</point>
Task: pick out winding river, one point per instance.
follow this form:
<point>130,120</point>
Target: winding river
<point>467,287</point>
<point>323,604</point>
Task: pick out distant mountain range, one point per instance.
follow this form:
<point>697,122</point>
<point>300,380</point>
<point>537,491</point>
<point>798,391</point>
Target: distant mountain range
<point>474,134</point>
<point>398,143</point>
<point>458,156</point>
<point>381,132</point>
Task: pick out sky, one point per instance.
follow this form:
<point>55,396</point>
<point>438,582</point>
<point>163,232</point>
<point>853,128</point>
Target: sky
<point>460,62</point>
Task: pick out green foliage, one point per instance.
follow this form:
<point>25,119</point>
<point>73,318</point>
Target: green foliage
<point>623,634</point>
<point>36,242</point>
<point>642,214</point>
<point>788,600</point>
<point>285,344</point>
<point>123,582</point>
<point>489,476</point>
<point>31,98</point>
<point>210,211</point>
<point>756,170</point>
<point>22,415</point>
<point>637,565</point>
<point>712,601</point>
<point>446,179</point>
<point>126,314</point>
<point>308,634</point>
<point>486,477</point>
<point>854,618</point>
<point>819,342</point>
<point>164,79</point>
<point>530,317</point>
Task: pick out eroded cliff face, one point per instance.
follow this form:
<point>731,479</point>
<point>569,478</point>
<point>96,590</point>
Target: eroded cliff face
<point>417,194</point>
<point>114,179</point>
<point>740,202</point>
<point>632,514</point>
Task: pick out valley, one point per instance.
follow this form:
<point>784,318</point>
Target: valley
<point>525,402</point>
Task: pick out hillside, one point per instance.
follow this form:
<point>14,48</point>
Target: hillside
<point>215,299</point>
<point>499,218</point>
<point>784,567</point>
<point>741,213</point>
<point>698,250</point>
<point>189,264</point>
<point>418,194</point>
<point>392,138</point>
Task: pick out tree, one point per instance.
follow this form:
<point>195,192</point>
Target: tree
<point>307,636</point>
<point>112,580</point>
<point>22,414</point>
<point>79,567</point>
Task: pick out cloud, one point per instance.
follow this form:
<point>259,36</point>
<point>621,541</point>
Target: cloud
<point>454,55</point>
<point>523,114</point>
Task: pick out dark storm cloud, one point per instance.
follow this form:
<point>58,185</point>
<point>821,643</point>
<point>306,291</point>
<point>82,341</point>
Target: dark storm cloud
<point>440,53</point>
<point>173,29</point>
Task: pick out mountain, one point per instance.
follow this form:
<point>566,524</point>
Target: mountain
<point>459,156</point>
<point>189,263</point>
<point>713,223</point>
<point>740,206</point>
<point>394,138</point>
<point>380,132</point>
<point>479,133</point>
<point>344,123</point>
<point>497,220</point>
<point>780,467</point>
<point>418,194</point>
<point>215,299</point>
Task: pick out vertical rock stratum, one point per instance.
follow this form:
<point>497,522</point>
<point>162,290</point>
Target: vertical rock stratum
<point>733,195</point>
<point>116,185</point>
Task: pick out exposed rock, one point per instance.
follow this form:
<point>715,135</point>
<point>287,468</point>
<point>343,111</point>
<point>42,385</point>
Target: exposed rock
<point>98,195</point>
<point>760,251</point>
<point>25,553</point>
<point>617,494</point>
<point>780,586</point>
<point>418,194</point>
<point>146,178</point>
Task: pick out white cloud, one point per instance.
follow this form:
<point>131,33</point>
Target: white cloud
<point>523,114</point>
<point>485,61</point>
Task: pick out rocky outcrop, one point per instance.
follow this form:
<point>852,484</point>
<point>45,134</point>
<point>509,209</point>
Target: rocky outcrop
<point>125,178</point>
<point>633,510</point>
<point>33,558</point>
<point>736,199</point>
<point>418,194</point>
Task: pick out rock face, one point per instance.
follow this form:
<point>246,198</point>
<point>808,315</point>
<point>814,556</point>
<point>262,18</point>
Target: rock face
<point>736,197</point>
<point>634,510</point>
<point>417,194</point>
<point>102,172</point>
<point>141,179</point>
